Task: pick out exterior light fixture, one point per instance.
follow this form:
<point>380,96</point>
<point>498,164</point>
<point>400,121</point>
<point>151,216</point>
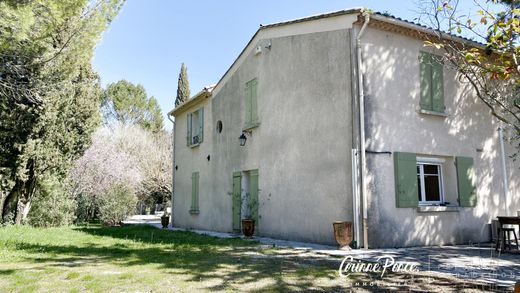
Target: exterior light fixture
<point>242,139</point>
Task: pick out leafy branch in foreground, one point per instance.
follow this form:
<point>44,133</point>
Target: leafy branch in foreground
<point>488,55</point>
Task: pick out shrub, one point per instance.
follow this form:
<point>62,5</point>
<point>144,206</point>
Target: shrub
<point>52,205</point>
<point>86,208</point>
<point>118,203</point>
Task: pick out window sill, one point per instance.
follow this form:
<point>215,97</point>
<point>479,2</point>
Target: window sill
<point>251,126</point>
<point>428,209</point>
<point>433,113</point>
<point>194,212</point>
<point>195,145</point>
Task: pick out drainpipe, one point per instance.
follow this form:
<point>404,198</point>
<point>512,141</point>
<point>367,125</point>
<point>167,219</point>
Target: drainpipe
<point>504,170</point>
<point>361,105</point>
<point>173,166</point>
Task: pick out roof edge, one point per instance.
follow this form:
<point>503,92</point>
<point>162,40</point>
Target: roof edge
<point>316,16</point>
<point>197,98</point>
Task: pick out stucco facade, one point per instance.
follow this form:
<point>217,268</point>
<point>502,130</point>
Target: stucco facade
<point>306,95</point>
<point>301,148</point>
<point>392,90</point>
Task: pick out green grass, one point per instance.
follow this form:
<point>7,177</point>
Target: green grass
<point>143,258</point>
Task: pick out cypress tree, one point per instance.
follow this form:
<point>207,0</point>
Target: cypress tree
<point>183,86</point>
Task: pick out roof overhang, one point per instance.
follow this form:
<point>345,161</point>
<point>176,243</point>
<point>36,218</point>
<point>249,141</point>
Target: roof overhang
<point>201,96</point>
<point>377,20</point>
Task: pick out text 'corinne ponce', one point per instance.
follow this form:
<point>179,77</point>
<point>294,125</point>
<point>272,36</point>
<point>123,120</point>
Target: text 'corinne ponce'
<point>384,264</point>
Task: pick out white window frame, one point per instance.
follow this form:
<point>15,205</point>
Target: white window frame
<point>195,131</point>
<point>430,161</point>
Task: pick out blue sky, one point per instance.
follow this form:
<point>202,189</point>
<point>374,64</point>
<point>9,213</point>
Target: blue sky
<point>149,40</point>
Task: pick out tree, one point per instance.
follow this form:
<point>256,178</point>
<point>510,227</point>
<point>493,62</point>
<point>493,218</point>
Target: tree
<point>127,103</point>
<point>50,96</point>
<point>492,67</point>
<point>123,157</point>
<point>183,86</point>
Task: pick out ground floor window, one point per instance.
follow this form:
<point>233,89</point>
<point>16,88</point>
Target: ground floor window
<point>429,179</point>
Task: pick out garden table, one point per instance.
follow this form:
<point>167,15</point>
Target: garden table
<point>505,220</point>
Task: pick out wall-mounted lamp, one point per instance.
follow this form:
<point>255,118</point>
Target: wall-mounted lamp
<point>243,138</point>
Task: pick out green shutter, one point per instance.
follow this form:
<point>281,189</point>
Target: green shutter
<point>406,187</point>
<point>188,130</point>
<point>253,195</point>
<point>465,179</point>
<point>437,84</point>
<point>426,81</point>
<point>248,100</point>
<point>194,192</point>
<point>236,200</point>
<point>201,124</point>
<point>254,105</point>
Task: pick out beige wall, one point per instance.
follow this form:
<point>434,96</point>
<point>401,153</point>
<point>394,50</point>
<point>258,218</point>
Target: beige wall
<point>301,148</point>
<point>395,124</point>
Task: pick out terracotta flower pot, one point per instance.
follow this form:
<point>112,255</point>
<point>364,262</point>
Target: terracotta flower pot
<point>248,227</point>
<point>165,220</point>
<point>343,233</point>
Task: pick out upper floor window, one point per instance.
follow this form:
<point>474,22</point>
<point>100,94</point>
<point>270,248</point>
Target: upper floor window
<point>251,105</point>
<point>195,127</point>
<point>432,83</point>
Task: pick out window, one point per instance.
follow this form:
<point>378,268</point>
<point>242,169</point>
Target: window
<point>251,105</point>
<point>219,126</point>
<point>194,209</point>
<point>420,180</point>
<point>429,182</point>
<point>432,83</point>
<point>195,127</point>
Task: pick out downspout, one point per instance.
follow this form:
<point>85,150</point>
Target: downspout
<point>173,167</point>
<point>362,147</point>
<point>504,170</point>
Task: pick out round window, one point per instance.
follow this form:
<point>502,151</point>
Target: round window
<point>219,126</point>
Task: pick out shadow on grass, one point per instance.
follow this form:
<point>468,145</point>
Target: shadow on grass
<point>217,264</point>
<point>7,272</point>
<point>220,264</point>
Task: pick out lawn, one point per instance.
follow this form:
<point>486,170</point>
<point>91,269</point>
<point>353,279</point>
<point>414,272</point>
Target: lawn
<point>145,259</point>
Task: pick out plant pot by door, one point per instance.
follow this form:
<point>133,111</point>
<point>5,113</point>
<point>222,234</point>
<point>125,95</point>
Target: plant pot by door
<point>248,227</point>
<point>343,233</point>
<point>165,220</point>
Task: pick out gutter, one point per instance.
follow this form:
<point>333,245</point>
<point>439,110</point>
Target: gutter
<point>504,169</point>
<point>362,163</point>
<point>173,167</point>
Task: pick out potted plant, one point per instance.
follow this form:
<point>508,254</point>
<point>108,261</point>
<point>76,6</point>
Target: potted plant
<point>165,219</point>
<point>249,206</point>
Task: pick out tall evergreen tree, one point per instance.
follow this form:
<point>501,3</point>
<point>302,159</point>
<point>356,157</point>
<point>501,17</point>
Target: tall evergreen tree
<point>183,86</point>
<point>49,94</point>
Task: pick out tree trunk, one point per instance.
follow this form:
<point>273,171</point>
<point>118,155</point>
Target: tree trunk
<point>18,201</point>
<point>9,204</point>
<point>26,196</point>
